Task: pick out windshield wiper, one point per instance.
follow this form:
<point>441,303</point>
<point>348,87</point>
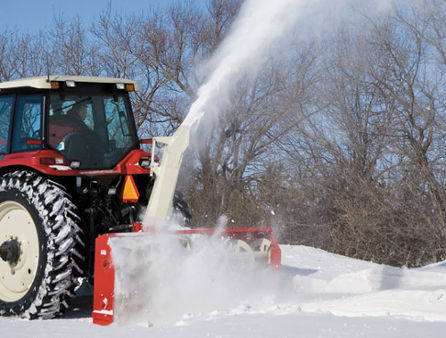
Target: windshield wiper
<point>72,105</point>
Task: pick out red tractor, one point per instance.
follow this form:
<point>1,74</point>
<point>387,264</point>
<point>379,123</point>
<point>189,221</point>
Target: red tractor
<point>66,146</point>
<point>71,169</point>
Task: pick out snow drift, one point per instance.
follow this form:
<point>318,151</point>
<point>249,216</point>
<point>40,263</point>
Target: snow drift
<point>311,302</point>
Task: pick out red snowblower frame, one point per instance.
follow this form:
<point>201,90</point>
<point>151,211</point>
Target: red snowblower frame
<point>258,242</point>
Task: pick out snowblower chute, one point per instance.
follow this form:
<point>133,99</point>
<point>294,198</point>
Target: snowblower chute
<point>257,244</point>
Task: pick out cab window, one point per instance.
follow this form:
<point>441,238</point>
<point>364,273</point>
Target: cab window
<point>117,124</point>
<point>6,105</point>
<point>27,123</point>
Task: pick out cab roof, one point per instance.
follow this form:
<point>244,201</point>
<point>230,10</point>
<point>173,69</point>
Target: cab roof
<point>44,82</point>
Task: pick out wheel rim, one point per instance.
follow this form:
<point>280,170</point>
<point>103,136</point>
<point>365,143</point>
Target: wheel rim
<point>16,224</point>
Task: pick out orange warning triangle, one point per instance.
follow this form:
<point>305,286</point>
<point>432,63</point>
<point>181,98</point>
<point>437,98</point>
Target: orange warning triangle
<point>130,191</point>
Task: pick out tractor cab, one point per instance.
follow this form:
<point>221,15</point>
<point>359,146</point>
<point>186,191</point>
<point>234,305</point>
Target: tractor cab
<point>88,121</point>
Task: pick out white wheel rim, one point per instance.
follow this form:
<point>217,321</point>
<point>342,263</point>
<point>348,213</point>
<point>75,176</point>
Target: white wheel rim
<point>17,223</point>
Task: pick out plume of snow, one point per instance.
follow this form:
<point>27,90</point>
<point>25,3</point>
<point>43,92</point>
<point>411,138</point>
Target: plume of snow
<point>162,277</point>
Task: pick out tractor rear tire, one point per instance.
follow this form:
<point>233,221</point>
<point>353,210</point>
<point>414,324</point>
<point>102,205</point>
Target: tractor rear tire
<point>39,225</point>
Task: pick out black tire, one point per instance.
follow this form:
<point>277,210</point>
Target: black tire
<point>56,260</point>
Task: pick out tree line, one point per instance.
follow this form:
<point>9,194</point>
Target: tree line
<point>340,145</point>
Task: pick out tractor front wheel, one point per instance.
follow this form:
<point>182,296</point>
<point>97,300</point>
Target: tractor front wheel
<point>40,241</point>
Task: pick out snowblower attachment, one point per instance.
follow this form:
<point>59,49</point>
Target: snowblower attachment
<point>257,245</point>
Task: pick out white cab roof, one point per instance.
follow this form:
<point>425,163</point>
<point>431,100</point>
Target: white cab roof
<point>42,82</point>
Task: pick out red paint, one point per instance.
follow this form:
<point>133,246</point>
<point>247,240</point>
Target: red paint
<point>33,142</point>
<point>32,159</point>
<point>104,282</point>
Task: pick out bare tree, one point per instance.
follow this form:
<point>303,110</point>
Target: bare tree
<point>342,143</point>
<point>71,51</point>
<point>407,82</point>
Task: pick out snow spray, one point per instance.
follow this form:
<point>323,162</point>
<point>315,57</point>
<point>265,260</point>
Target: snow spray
<point>162,278</point>
<point>263,31</point>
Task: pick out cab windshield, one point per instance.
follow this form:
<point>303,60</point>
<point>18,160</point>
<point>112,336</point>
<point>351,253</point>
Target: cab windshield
<point>95,129</point>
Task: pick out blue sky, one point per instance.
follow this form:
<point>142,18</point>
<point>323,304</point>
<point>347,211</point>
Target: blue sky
<point>29,16</point>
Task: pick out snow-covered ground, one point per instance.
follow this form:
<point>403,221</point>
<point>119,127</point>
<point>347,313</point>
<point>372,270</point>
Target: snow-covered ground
<point>318,294</point>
